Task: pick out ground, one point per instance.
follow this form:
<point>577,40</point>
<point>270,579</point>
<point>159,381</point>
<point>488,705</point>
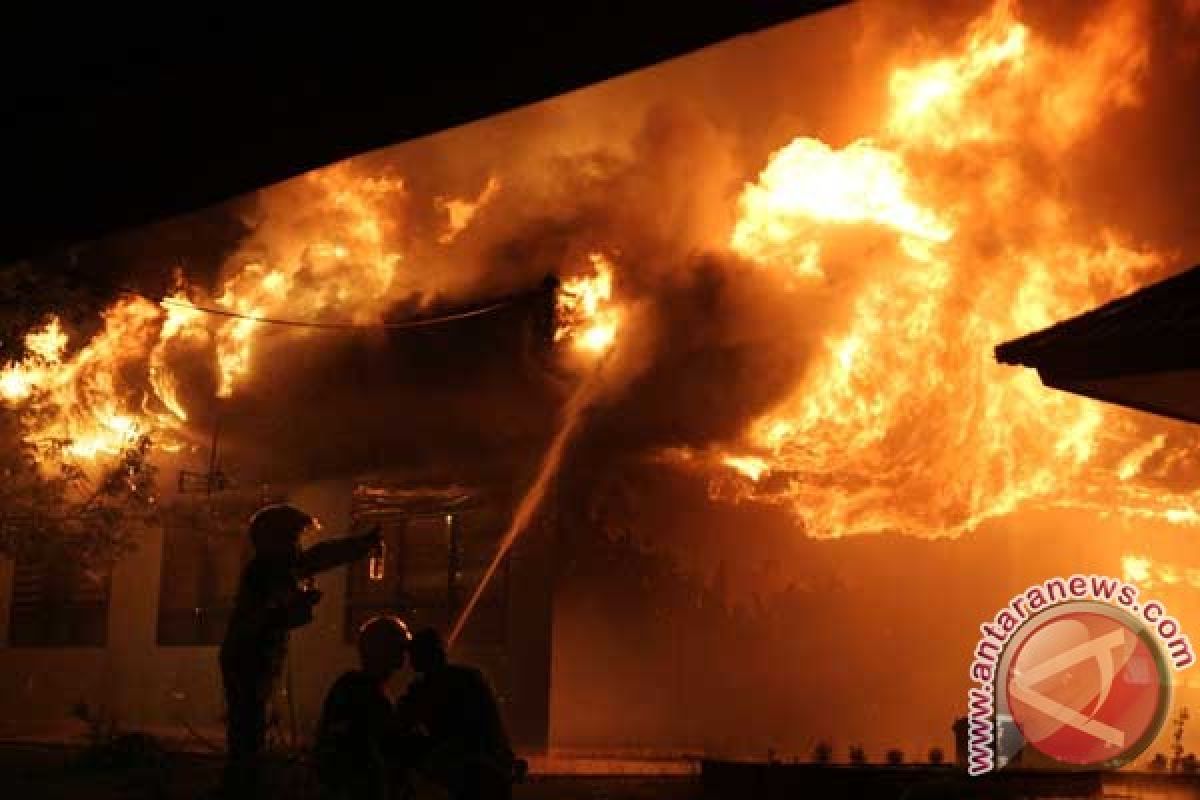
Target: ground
<point>46,772</point>
<point>49,773</point>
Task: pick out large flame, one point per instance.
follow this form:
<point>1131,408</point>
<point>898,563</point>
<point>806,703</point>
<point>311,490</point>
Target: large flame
<point>938,234</point>
<point>336,265</point>
<point>332,262</point>
<point>44,348</point>
<point>85,406</point>
<point>586,314</point>
<point>904,422</point>
<point>328,256</point>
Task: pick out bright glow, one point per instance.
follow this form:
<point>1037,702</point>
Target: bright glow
<point>932,239</point>
<point>586,316</point>
<point>752,467</point>
<point>460,212</point>
<point>808,183</point>
<point>377,562</point>
<point>331,261</point>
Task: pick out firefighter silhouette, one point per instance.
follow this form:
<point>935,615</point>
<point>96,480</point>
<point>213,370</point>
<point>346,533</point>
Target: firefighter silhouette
<point>273,597</point>
<point>467,750</point>
<point>361,747</point>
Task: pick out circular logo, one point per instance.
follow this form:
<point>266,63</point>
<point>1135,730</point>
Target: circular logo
<point>1087,686</point>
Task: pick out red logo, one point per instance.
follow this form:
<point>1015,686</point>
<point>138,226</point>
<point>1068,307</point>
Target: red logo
<point>1086,687</point>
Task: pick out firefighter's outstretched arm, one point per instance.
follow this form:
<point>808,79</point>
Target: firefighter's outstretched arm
<point>336,552</point>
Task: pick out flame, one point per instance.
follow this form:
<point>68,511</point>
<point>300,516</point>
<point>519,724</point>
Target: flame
<point>1004,81</point>
<point>47,344</point>
<point>338,266</point>
<point>807,184</point>
<point>1136,569</point>
<point>1148,573</point>
<point>752,467</point>
<point>934,101</point>
<point>330,262</point>
<point>85,407</point>
<point>585,312</point>
<point>377,562</point>
<point>1132,464</point>
<point>932,237</point>
<point>904,422</point>
<point>460,212</point>
<point>44,349</point>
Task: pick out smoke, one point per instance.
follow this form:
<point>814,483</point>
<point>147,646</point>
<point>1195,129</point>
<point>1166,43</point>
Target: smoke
<point>748,328</point>
<point>718,351</point>
<point>707,340</point>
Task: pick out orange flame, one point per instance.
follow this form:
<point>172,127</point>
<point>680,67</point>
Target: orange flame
<point>331,261</point>
<point>586,315</point>
<point>87,408</point>
<point>904,422</point>
<point>752,467</point>
<point>44,349</point>
<point>460,212</point>
<point>1149,574</point>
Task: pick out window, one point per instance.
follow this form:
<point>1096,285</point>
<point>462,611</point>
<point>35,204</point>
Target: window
<point>433,546</point>
<point>57,602</point>
<point>415,576</point>
<point>374,586</point>
<point>203,555</point>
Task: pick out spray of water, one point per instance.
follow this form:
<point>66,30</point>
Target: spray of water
<point>532,500</point>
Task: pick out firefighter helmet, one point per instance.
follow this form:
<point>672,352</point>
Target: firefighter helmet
<point>383,641</point>
<point>277,527</point>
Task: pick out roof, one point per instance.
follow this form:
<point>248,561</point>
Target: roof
<point>1140,351</point>
<point>1154,328</point>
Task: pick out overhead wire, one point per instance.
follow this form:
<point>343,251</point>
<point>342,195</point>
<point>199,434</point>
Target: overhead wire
<point>419,322</point>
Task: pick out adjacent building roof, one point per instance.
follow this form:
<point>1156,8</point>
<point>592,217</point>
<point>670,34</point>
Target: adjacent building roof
<point>1140,351</point>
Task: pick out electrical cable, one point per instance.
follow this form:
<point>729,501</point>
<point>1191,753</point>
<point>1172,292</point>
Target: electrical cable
<point>419,322</point>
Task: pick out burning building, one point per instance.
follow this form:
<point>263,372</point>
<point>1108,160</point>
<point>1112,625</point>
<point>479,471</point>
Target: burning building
<point>441,525</point>
<point>766,415</point>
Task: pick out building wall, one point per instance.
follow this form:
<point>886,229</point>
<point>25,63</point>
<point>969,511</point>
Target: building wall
<point>176,690</point>
<point>148,687</point>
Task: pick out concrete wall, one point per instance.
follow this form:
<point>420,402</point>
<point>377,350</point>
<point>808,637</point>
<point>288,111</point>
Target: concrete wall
<point>148,687</point>
<point>169,690</point>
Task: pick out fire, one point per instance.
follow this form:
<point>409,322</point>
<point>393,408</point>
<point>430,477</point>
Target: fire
<point>808,184</point>
<point>331,262</point>
<point>904,422</point>
<point>1136,569</point>
<point>585,312</point>
<point>752,467</point>
<point>85,409</point>
<point>460,212</point>
<point>44,348</point>
<point>1149,574</point>
<point>932,101</point>
<point>932,237</point>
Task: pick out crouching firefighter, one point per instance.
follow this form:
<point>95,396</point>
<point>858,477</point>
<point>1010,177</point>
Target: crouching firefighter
<point>273,597</point>
<point>467,751</point>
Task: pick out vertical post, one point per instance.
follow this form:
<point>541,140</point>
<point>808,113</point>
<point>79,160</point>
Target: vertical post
<point>210,479</point>
<point>400,560</point>
<point>453,568</point>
